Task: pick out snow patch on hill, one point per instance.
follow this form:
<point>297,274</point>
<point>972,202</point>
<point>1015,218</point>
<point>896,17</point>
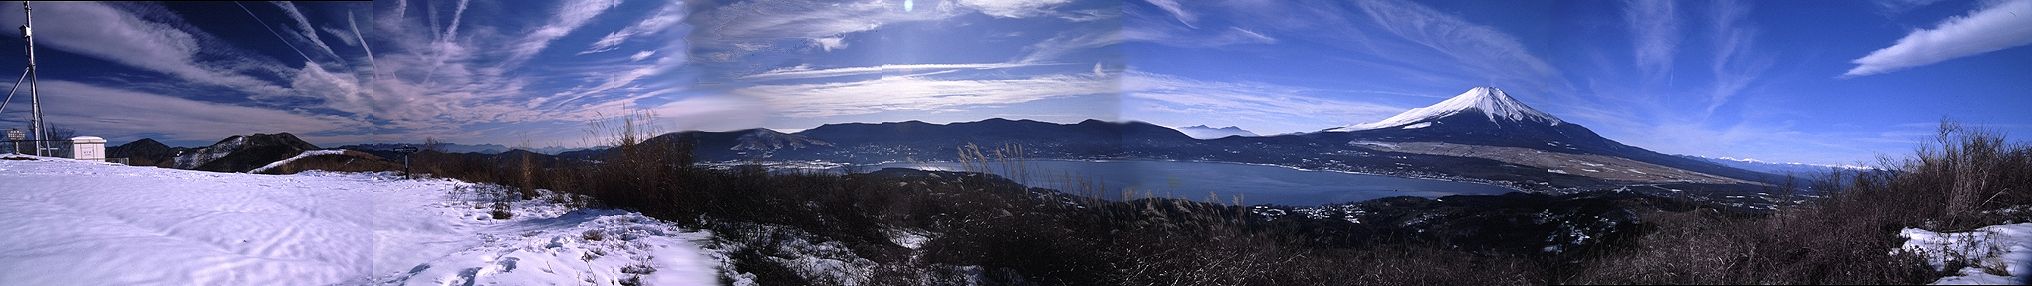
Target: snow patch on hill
<point>1788,164</point>
<point>305,154</point>
<point>73,222</point>
<point>214,152</point>
<point>1989,251</point>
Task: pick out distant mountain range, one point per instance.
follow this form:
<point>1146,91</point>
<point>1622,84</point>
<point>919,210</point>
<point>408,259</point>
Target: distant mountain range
<point>243,153</point>
<point>1204,132</point>
<point>1778,168</point>
<point>237,153</point>
<point>461,148</point>
<point>1481,135</point>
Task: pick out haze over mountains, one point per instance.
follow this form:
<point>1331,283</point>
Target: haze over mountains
<point>1204,132</point>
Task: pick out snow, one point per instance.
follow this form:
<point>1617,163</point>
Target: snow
<point>73,222</point>
<point>1755,161</point>
<point>1418,125</point>
<point>912,239</point>
<point>1385,145</point>
<point>1490,101</point>
<point>305,154</point>
<point>205,155</point>
<point>1991,249</point>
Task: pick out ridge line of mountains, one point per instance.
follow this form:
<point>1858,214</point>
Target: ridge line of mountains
<point>1482,135</point>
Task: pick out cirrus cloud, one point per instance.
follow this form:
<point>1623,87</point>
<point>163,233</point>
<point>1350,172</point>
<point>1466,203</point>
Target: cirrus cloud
<point>918,93</point>
<point>2000,26</point>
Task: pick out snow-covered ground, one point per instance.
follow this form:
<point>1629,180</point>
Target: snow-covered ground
<point>70,222</point>
<point>305,154</point>
<point>1987,252</point>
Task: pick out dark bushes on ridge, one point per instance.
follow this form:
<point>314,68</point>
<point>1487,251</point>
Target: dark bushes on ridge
<point>996,231</point>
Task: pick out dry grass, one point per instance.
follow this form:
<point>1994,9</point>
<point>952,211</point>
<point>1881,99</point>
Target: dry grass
<point>1023,236</point>
<point>1845,238</point>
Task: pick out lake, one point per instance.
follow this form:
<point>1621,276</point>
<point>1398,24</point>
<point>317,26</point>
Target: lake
<point>1256,184</point>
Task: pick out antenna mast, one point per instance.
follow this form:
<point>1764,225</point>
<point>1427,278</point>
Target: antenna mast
<point>35,100</point>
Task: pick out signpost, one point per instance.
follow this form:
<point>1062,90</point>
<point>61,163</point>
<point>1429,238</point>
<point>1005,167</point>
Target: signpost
<point>406,152</point>
<point>14,135</point>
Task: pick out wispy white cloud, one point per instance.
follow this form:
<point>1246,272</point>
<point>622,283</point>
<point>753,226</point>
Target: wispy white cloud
<point>271,31</point>
<point>1090,15</point>
<point>104,32</point>
<point>664,19</point>
<point>1464,41</point>
<point>712,113</point>
<point>830,44</point>
<point>2003,25</point>
<point>1070,42</point>
<point>1736,65</point>
<point>1282,108</point>
<point>570,16</point>
<point>304,28</point>
<point>1654,27</point>
<point>1177,11</point>
<point>1179,38</point>
<point>737,29</point>
<point>440,83</point>
<point>806,72</point>
<point>1014,8</point>
<point>345,36</point>
<point>120,111</point>
<point>369,49</point>
<point>741,28</point>
<point>1900,6</point>
<point>914,93</point>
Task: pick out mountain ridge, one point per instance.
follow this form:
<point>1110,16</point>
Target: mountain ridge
<point>1204,132</point>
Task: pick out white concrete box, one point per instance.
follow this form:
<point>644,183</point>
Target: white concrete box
<point>88,148</point>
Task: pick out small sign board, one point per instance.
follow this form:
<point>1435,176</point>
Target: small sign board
<point>406,149</point>
<point>15,134</point>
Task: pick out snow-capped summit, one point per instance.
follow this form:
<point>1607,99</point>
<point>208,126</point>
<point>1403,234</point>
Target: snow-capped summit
<point>1491,102</point>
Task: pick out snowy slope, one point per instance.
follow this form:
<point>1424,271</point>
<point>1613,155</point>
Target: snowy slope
<point>305,154</point>
<point>1489,101</point>
<point>205,155</point>
<point>2002,249</point>
<point>85,223</point>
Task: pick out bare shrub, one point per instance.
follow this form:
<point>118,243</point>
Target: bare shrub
<point>501,211</point>
<point>1849,236</point>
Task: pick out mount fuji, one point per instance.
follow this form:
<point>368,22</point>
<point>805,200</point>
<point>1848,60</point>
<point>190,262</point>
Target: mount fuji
<point>1486,116</point>
<point>1486,122</point>
<point>1490,102</point>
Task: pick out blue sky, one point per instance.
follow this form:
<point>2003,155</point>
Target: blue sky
<point>520,73</point>
<point>1817,82</point>
<point>812,62</point>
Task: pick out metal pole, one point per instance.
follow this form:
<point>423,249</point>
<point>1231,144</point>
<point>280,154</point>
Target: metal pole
<point>34,99</point>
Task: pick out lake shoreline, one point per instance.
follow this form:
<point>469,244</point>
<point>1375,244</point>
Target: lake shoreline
<point>1286,185</point>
